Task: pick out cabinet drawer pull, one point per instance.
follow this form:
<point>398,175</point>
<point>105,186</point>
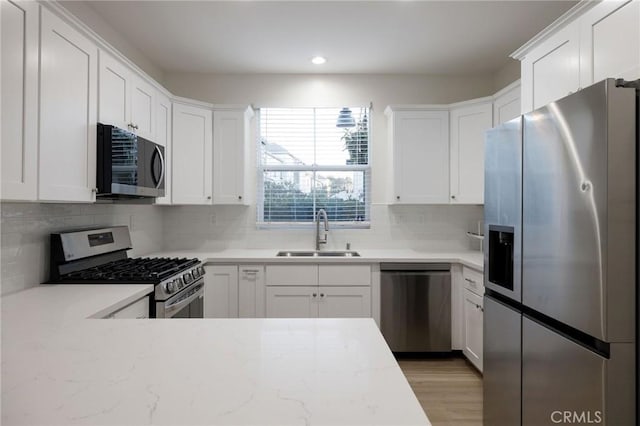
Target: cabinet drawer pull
<point>315,295</point>
<point>470,281</point>
<point>321,294</point>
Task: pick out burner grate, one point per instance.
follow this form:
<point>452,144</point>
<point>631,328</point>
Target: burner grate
<point>133,270</point>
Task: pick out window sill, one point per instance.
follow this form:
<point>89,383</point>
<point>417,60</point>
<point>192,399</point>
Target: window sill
<point>298,225</point>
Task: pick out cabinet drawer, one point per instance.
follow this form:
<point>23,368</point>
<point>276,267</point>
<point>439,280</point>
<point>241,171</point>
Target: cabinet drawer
<point>299,275</point>
<point>473,280</point>
<point>339,275</point>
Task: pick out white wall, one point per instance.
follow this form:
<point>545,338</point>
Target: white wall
<point>25,229</point>
<point>506,75</point>
<point>429,228</point>
<point>84,12</point>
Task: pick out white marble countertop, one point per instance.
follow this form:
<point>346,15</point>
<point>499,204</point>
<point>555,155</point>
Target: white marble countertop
<point>472,259</point>
<point>59,368</point>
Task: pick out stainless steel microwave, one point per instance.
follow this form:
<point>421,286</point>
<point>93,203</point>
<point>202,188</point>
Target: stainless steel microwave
<point>129,166</point>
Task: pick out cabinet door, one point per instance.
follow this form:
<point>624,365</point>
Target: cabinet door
<point>292,302</point>
<point>344,302</point>
<point>114,92</point>
<point>136,310</point>
<point>68,112</point>
<point>163,137</point>
<point>473,315</point>
<point>610,42</point>
<point>251,292</point>
<point>221,292</point>
<point>143,107</point>
<point>192,158</point>
<point>551,71</point>
<point>421,157</point>
<point>229,152</point>
<point>506,106</point>
<point>19,34</point>
<point>468,126</point>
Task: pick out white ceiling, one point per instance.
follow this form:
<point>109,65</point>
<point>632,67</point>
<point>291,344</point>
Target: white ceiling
<point>372,37</point>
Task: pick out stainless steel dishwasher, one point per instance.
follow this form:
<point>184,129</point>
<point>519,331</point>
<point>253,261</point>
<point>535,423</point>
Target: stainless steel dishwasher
<point>415,314</point>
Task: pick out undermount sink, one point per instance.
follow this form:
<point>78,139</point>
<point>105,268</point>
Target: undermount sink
<point>318,254</point>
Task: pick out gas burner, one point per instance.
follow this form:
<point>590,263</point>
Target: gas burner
<point>147,269</point>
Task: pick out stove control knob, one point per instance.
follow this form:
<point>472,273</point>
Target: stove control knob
<point>170,287</point>
<point>179,283</point>
<point>201,269</point>
<point>187,278</point>
<point>195,273</point>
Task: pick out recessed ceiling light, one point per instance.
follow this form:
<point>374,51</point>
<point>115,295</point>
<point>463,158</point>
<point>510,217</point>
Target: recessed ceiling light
<point>318,60</point>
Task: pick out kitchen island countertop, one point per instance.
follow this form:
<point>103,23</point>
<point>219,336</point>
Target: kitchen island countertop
<point>61,368</point>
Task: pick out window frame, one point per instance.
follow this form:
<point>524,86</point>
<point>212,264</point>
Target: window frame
<point>313,168</point>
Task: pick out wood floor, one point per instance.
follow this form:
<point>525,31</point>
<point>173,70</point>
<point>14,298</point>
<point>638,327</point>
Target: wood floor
<point>449,389</point>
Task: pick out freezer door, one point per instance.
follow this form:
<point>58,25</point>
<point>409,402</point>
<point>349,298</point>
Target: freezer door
<point>579,211</point>
<point>503,209</point>
<point>564,382</point>
<point>502,373</point>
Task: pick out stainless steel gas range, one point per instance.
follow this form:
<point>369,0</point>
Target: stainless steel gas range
<point>99,256</point>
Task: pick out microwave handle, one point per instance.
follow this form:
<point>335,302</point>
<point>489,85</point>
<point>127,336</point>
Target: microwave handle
<point>162,164</point>
<point>157,151</point>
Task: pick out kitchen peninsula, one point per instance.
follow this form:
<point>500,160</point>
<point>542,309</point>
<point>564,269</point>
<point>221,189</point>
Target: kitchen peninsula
<point>60,365</point>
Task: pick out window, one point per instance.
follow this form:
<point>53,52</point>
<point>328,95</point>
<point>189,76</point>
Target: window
<point>309,160</point>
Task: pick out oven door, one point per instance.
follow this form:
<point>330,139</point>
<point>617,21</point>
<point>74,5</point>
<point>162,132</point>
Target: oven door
<point>189,303</point>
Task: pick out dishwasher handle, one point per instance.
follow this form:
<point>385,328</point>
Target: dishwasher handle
<point>417,273</point>
<point>415,267</point>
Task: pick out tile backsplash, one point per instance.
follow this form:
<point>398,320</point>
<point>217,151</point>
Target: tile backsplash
<point>25,229</point>
<point>427,228</point>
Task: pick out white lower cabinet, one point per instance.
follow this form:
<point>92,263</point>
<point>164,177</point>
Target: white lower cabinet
<point>318,302</point>
<point>137,310</point>
<point>292,302</point>
<point>318,291</point>
<point>251,296</point>
<point>473,313</point>
<point>221,291</point>
<point>344,302</point>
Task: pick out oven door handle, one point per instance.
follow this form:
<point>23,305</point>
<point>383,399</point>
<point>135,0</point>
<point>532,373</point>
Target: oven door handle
<point>177,306</point>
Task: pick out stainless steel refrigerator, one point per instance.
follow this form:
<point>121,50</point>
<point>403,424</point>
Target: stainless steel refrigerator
<point>560,262</point>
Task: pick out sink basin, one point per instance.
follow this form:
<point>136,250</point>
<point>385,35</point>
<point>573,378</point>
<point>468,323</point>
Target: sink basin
<point>318,254</point>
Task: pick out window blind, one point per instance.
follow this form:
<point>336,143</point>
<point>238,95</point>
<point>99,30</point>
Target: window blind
<point>307,163</point>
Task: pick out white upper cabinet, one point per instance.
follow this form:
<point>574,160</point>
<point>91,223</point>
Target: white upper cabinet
<point>125,99</point>
<point>469,122</point>
<point>143,107</point>
<point>19,34</point>
<point>552,70</point>
<point>192,154</point>
<point>114,92</point>
<point>591,42</point>
<point>506,104</point>
<point>68,112</point>
<point>610,42</point>
<point>163,137</point>
<point>231,148</point>
<point>419,140</point>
